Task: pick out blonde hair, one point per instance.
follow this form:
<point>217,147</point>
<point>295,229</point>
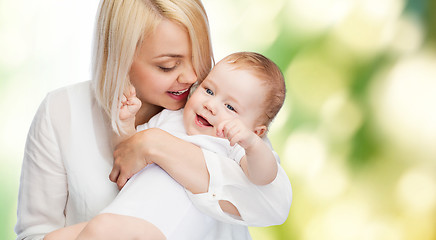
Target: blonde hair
<point>269,74</point>
<point>120,30</point>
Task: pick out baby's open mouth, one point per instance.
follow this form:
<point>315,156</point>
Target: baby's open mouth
<point>202,121</point>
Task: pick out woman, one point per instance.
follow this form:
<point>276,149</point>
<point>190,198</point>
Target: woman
<point>69,154</point>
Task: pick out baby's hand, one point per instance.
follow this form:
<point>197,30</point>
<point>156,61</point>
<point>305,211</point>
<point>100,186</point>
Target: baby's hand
<point>236,132</point>
<point>129,105</point>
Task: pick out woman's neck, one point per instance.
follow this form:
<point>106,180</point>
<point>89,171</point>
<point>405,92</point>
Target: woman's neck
<point>146,112</point>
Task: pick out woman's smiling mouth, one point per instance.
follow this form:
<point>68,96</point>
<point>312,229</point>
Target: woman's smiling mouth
<point>179,92</point>
<point>179,95</point>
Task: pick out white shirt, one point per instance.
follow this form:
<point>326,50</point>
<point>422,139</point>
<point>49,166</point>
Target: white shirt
<point>68,158</point>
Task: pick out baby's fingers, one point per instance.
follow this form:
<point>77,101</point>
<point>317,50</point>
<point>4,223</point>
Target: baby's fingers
<point>135,101</point>
<point>132,91</point>
<point>220,128</point>
<point>230,131</point>
<point>234,137</point>
<point>124,99</point>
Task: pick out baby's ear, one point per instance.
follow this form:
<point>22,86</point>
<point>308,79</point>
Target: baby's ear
<point>260,130</point>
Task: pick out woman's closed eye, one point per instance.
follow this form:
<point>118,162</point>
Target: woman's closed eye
<point>168,66</point>
<point>167,69</point>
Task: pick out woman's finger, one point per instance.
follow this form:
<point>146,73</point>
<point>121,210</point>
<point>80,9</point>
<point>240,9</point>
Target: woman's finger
<point>113,176</point>
<point>121,181</point>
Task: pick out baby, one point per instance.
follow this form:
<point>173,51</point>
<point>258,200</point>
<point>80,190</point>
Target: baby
<point>237,102</point>
<point>229,113</point>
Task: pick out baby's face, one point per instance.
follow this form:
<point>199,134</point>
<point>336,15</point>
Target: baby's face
<point>226,93</point>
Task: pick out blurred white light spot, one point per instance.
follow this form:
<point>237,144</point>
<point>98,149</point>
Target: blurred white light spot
<point>13,48</point>
<point>416,190</point>
<point>341,117</point>
<point>368,27</point>
<point>312,79</point>
<point>405,104</point>
<point>375,9</point>
<point>383,229</point>
<point>304,155</point>
<point>329,184</point>
<point>245,26</point>
<point>261,15</point>
<point>343,221</point>
<point>407,35</point>
<point>315,16</point>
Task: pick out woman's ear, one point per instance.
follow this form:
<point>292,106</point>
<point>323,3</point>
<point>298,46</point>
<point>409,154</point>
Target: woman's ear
<point>260,130</point>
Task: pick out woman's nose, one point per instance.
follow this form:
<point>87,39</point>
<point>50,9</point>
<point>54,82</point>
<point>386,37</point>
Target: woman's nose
<point>188,75</point>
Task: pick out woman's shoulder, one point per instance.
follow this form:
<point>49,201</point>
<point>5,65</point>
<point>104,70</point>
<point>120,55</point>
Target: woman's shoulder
<point>76,89</point>
<point>65,100</point>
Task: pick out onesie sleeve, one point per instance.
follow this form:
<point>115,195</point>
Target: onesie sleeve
<point>43,185</point>
<point>259,206</point>
<point>154,122</point>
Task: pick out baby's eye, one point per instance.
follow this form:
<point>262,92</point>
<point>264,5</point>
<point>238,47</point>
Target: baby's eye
<point>228,106</point>
<point>208,91</point>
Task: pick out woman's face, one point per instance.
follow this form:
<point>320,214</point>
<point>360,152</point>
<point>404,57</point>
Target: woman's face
<point>162,70</point>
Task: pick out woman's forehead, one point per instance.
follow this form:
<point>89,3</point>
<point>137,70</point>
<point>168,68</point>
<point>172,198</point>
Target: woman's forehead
<point>168,40</point>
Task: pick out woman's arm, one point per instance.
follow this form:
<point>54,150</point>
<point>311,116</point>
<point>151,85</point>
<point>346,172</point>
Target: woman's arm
<point>216,184</point>
<point>182,160</point>
<point>43,187</point>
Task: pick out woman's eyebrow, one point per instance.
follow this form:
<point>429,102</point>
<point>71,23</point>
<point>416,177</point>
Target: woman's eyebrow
<point>170,55</point>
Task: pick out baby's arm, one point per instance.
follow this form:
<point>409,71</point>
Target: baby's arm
<point>259,163</point>
<point>129,106</point>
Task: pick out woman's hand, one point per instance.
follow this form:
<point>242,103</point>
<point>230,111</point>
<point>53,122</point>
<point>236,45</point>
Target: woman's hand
<point>129,158</point>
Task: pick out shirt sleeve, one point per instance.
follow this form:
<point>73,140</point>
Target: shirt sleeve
<point>43,187</point>
<point>259,206</point>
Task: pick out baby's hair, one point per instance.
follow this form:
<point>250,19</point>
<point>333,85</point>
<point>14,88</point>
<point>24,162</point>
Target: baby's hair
<point>270,75</point>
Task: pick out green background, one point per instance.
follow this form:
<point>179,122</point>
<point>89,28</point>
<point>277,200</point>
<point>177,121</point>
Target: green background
<point>357,133</point>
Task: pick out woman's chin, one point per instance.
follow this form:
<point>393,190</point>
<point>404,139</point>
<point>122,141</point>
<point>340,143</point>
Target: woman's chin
<point>175,107</point>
